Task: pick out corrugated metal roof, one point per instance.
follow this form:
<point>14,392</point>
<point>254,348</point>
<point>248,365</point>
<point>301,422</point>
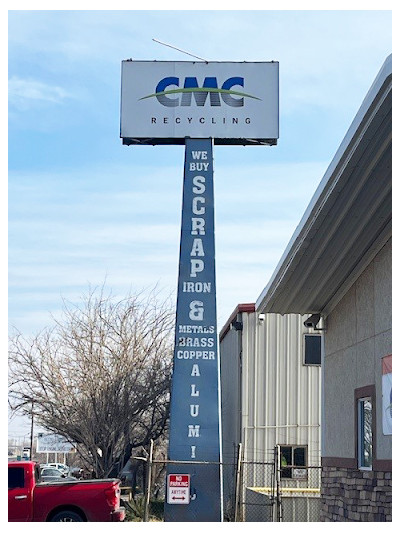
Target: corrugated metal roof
<point>348,219</point>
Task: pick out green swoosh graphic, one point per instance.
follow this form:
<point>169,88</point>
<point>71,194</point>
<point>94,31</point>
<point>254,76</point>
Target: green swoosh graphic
<point>200,89</point>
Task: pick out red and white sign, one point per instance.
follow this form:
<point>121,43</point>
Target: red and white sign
<point>178,488</point>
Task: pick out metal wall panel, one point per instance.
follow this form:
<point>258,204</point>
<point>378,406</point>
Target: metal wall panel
<point>230,407</point>
<point>280,396</point>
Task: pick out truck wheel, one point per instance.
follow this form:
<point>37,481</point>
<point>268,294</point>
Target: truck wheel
<point>67,516</point>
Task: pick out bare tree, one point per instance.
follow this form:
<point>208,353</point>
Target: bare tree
<point>100,376</point>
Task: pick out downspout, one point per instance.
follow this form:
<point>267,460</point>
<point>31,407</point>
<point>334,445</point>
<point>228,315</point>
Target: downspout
<point>240,379</point>
<point>322,403</point>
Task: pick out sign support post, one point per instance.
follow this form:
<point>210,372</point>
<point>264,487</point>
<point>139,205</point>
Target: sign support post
<point>195,403</point>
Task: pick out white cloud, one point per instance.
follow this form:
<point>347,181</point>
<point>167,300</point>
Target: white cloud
<point>25,93</point>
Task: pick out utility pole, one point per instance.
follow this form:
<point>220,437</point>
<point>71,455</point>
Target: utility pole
<point>31,445</point>
<point>148,483</point>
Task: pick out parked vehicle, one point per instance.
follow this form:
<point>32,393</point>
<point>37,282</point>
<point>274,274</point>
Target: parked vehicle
<point>60,466</point>
<point>31,500</point>
<point>76,471</point>
<point>54,474</point>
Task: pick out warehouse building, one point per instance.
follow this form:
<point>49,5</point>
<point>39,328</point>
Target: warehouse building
<point>338,268</point>
<point>270,392</point>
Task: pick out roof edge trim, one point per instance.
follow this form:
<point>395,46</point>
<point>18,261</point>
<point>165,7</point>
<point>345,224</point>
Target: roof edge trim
<point>291,249</point>
<point>240,308</point>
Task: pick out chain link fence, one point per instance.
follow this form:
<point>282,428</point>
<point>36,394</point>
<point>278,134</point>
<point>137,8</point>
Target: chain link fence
<point>301,497</point>
<point>289,499</point>
<point>260,492</point>
<point>257,494</point>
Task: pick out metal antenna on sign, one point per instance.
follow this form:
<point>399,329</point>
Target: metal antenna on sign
<point>179,50</point>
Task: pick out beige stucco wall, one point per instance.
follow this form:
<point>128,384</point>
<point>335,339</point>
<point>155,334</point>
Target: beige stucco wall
<point>359,333</point>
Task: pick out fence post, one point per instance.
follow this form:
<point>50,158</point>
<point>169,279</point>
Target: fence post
<point>148,483</point>
<point>238,483</point>
<point>278,483</point>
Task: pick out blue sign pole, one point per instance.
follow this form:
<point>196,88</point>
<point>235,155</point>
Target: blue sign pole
<point>195,395</point>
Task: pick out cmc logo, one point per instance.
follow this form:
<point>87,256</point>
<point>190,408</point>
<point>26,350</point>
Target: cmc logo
<point>229,96</point>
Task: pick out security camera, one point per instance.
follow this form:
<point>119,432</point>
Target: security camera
<point>261,318</point>
<point>312,321</point>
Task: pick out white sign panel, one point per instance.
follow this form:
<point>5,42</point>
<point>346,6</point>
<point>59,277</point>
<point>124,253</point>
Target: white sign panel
<point>163,102</point>
<point>387,395</point>
<point>299,473</point>
<point>53,443</point>
<point>178,489</point>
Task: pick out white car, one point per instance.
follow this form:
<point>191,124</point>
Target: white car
<point>64,469</point>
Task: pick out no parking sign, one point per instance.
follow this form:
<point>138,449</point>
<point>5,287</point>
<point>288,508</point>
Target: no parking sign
<point>178,488</point>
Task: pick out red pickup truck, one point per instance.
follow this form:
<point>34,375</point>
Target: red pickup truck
<point>30,500</point>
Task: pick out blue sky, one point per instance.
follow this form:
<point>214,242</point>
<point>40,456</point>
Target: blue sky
<point>82,208</point>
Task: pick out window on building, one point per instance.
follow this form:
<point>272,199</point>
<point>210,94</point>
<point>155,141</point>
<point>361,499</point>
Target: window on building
<point>312,349</point>
<point>365,433</point>
<point>16,478</point>
<point>293,462</point>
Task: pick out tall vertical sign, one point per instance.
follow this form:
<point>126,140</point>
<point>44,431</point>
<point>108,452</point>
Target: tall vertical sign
<point>197,104</point>
<point>195,405</point>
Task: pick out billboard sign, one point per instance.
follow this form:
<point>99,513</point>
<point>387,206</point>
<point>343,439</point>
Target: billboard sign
<point>164,102</point>
<point>53,443</point>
